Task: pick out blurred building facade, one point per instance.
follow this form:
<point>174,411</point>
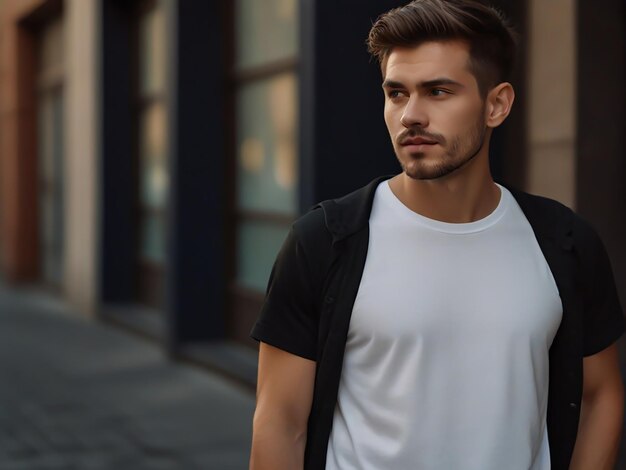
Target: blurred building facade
<point>153,153</point>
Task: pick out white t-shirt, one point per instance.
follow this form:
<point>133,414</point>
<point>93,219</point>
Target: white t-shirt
<point>446,362</point>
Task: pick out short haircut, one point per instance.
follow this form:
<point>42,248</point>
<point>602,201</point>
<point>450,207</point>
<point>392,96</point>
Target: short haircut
<point>492,41</point>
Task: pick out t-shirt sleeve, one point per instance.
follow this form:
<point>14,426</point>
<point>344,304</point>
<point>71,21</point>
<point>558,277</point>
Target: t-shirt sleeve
<point>603,319</point>
<point>289,316</point>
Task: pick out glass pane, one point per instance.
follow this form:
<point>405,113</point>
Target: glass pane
<point>50,241</point>
<point>259,243</point>
<point>152,156</point>
<point>46,222</point>
<point>152,42</point>
<point>266,145</point>
<point>152,228</point>
<point>45,137</point>
<point>266,31</point>
<point>51,215</point>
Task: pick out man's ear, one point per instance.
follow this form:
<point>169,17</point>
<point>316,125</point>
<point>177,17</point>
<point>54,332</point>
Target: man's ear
<point>498,104</point>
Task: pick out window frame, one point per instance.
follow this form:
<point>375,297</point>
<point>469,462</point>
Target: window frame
<point>49,85</point>
<point>243,303</point>
<point>149,276</point>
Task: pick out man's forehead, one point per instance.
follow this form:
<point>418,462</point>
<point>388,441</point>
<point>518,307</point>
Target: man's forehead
<point>434,57</point>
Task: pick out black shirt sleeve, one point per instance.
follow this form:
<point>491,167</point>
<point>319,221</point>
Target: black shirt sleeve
<point>603,319</point>
<point>289,317</point>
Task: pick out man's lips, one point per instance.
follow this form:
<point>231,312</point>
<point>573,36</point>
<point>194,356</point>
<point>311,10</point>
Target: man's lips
<point>418,141</point>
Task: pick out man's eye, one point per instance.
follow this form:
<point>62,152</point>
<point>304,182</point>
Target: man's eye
<point>438,92</point>
<point>394,94</point>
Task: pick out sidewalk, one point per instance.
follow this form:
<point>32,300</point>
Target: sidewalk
<point>77,394</point>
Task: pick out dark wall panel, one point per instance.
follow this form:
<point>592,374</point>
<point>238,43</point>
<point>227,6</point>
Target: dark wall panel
<point>601,131</point>
<point>344,141</point>
<point>195,271</point>
<point>601,193</point>
<point>116,172</point>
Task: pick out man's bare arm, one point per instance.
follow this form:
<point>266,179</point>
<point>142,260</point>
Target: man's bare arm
<point>601,412</point>
<point>284,396</point>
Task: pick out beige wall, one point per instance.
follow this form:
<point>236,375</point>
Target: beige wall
<point>552,99</point>
<point>81,155</point>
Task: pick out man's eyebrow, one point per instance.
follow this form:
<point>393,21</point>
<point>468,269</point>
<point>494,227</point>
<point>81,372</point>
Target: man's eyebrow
<point>392,84</point>
<point>426,84</point>
<point>439,82</point>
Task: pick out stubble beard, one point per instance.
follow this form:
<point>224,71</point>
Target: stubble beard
<point>462,150</point>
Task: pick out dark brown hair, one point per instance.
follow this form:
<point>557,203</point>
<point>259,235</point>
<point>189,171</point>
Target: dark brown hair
<point>492,42</point>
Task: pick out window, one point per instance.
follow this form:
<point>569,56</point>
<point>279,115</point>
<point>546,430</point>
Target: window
<point>266,123</point>
<point>50,151</point>
<point>152,145</point>
<point>266,145</point>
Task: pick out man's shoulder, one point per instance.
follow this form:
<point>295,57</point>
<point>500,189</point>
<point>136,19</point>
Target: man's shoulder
<point>340,216</point>
<point>541,206</point>
<point>549,217</point>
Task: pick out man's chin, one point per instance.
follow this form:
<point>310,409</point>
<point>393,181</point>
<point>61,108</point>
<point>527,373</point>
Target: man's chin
<point>427,174</point>
<point>424,169</point>
<point>424,173</point>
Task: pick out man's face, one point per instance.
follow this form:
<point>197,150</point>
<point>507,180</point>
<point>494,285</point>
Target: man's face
<point>433,109</point>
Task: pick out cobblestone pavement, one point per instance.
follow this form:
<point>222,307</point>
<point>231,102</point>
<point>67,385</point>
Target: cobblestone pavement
<point>76,394</point>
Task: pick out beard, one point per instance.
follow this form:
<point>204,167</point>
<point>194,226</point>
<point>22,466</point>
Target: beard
<point>459,152</point>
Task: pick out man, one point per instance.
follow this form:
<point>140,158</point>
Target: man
<point>436,319</point>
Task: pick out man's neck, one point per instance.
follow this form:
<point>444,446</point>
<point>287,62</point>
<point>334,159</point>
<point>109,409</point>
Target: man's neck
<point>455,198</point>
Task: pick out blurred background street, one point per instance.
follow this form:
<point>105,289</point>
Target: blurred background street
<point>80,395</point>
<point>153,155</point>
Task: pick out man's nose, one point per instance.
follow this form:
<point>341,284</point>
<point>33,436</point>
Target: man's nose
<point>414,114</point>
